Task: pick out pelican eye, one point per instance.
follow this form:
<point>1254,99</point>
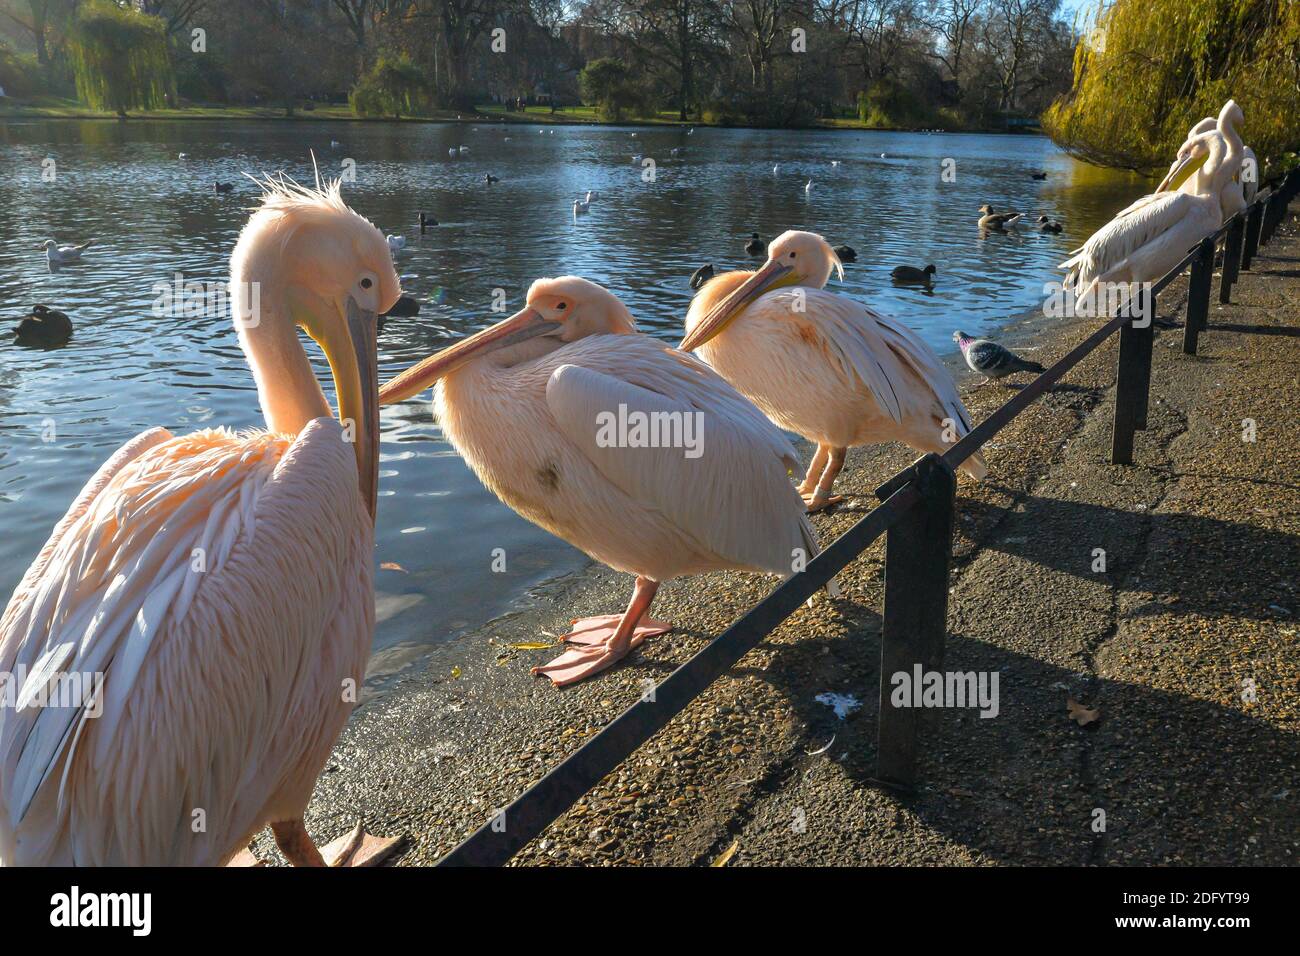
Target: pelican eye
<point>792,255</point>
<point>366,283</point>
<point>561,307</point>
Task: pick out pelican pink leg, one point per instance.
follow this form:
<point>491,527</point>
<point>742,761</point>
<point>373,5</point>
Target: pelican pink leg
<point>602,642</point>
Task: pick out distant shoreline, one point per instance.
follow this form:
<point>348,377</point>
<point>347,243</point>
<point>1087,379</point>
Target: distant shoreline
<point>334,113</point>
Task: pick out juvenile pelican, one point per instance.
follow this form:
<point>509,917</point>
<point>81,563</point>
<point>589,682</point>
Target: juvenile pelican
<point>552,408</point>
<point>823,365</point>
<point>1150,237</point>
<point>208,596</point>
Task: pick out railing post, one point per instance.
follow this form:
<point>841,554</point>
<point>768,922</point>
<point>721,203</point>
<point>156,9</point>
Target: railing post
<point>1231,258</point>
<point>1272,216</point>
<point>1146,313</point>
<point>1198,296</point>
<point>918,552</point>
<point>1132,382</point>
<point>1251,245</point>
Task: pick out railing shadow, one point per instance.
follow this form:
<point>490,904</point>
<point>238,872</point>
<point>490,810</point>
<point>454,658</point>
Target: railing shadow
<point>1023,787</point>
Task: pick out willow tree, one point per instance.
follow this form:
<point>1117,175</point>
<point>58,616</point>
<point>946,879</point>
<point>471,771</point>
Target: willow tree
<point>119,57</point>
<point>1150,69</point>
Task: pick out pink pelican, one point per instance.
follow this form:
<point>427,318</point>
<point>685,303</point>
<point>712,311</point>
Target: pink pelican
<point>822,365</point>
<point>182,653</point>
<point>1239,191</point>
<point>537,406</point>
<point>1151,236</point>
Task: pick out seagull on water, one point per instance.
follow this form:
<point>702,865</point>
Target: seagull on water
<point>57,255</point>
<point>396,244</point>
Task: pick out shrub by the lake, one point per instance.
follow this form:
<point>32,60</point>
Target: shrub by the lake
<point>1151,69</point>
<point>119,58</point>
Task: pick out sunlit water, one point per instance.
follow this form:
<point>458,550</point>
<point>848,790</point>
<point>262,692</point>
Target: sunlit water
<point>154,215</point>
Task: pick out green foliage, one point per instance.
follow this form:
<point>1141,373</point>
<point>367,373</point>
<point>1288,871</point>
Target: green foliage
<point>393,87</point>
<point>20,75</point>
<point>608,85</point>
<point>119,58</point>
<point>1150,69</point>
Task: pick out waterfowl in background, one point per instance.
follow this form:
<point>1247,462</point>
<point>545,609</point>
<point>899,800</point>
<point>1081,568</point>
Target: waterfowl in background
<point>911,275</point>
<point>223,187</point>
<point>990,359</point>
<point>755,245</point>
<point>405,307</point>
<point>997,221</point>
<point>823,365</point>
<point>395,244</point>
<point>701,275</point>
<point>846,253</point>
<point>43,328</point>
<point>1048,225</point>
<point>57,255</point>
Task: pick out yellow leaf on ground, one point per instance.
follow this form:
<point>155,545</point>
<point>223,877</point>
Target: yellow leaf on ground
<point>727,854</point>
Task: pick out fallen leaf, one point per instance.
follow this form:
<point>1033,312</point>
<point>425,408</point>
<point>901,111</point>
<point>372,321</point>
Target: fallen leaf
<point>392,566</point>
<point>727,854</point>
<point>532,646</point>
<point>1080,714</point>
<point>455,672</point>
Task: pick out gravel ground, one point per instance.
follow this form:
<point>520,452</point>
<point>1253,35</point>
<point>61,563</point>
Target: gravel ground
<point>1197,604</point>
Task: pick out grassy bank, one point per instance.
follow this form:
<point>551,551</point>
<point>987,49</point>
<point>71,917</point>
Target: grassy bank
<point>50,107</point>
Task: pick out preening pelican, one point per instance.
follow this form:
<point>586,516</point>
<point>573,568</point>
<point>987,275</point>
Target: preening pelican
<point>562,411</point>
<point>823,365</point>
<point>1151,236</point>
<point>185,647</point>
<point>1239,192</point>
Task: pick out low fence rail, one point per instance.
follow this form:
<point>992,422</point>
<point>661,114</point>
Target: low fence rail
<point>916,514</point>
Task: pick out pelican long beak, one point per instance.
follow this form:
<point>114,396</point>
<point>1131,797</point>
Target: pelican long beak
<point>1181,171</point>
<point>773,275</point>
<point>350,348</point>
<point>523,325</point>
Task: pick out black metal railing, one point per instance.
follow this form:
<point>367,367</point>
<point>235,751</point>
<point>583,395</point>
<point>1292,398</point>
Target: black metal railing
<point>916,513</point>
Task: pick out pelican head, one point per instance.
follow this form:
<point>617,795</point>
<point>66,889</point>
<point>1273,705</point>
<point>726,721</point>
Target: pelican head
<point>1218,139</point>
<point>557,311</point>
<point>305,260</point>
<point>793,258</point>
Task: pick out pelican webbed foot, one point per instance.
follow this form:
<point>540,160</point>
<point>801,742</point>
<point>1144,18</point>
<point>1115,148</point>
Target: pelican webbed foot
<point>601,642</point>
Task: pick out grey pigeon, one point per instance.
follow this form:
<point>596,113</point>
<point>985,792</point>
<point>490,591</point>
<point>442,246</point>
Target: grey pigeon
<point>990,359</point>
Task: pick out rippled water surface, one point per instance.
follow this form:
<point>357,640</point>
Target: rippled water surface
<point>153,215</point>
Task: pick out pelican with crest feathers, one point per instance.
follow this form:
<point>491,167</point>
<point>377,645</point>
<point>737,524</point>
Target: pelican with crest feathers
<point>528,403</point>
<point>822,365</point>
<point>218,587</point>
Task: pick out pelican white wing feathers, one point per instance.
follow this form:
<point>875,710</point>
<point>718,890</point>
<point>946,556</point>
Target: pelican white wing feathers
<point>741,504</point>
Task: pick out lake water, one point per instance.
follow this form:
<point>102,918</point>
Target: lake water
<point>154,215</point>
